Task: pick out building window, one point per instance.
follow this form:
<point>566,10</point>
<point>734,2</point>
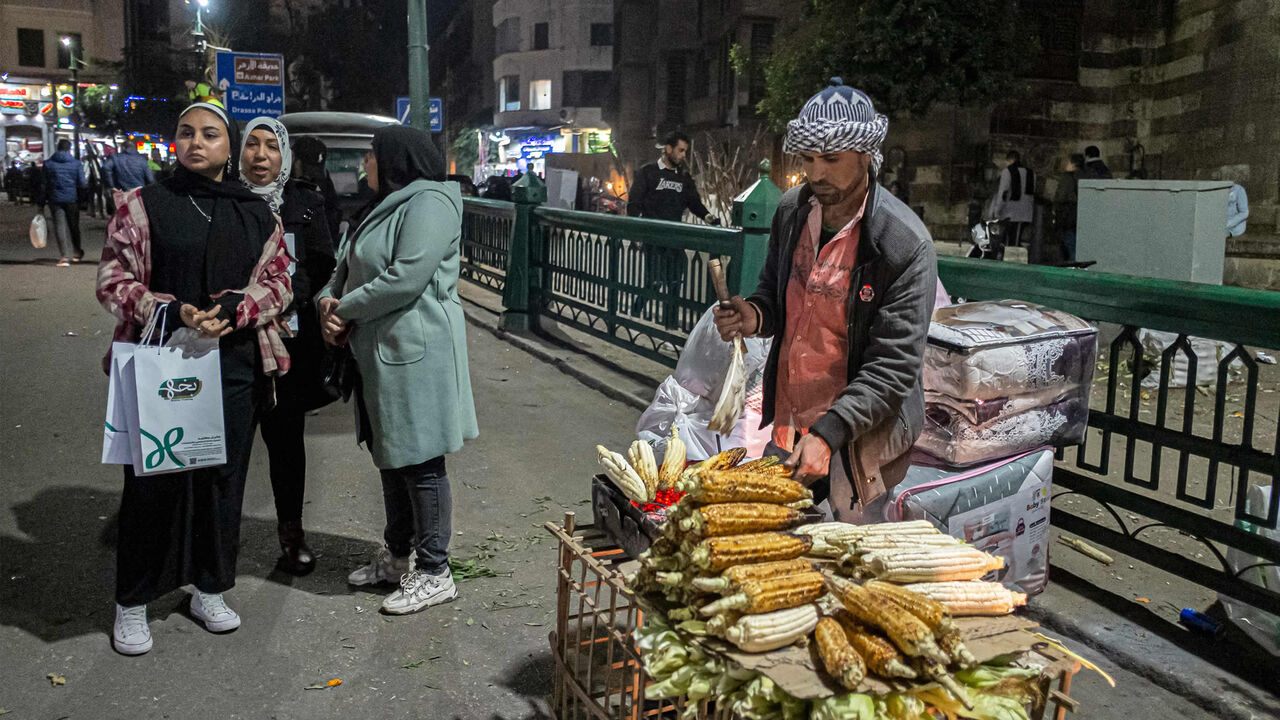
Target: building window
<point>586,88</point>
<point>761,46</point>
<point>676,74</point>
<point>601,34</point>
<point>65,52</point>
<point>30,47</point>
<point>541,36</point>
<point>540,95</point>
<point>509,93</point>
<point>507,39</point>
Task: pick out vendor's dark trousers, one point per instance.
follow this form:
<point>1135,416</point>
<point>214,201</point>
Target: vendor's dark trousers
<point>419,513</point>
<point>282,432</point>
<point>66,227</point>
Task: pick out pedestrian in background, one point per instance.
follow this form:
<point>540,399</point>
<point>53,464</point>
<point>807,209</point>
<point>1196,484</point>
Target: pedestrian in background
<point>1094,168</point>
<point>309,171</point>
<point>265,165</point>
<point>664,190</point>
<point>1237,210</point>
<point>1015,199</point>
<point>213,251</point>
<point>1065,203</point>
<point>129,169</point>
<point>93,171</point>
<point>36,185</point>
<point>64,179</point>
<point>394,298</point>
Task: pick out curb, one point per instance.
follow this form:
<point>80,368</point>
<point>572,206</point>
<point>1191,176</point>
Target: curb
<point>563,364</point>
<point>1207,695</point>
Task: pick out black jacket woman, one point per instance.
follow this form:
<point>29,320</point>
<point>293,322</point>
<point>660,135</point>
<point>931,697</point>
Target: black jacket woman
<point>266,162</point>
<point>206,253</point>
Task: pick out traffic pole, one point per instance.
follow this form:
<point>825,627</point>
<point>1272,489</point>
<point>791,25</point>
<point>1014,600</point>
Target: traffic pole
<point>419,72</point>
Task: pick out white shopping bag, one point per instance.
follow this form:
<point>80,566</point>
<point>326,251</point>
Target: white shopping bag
<point>120,396</point>
<point>179,391</point>
<point>38,233</point>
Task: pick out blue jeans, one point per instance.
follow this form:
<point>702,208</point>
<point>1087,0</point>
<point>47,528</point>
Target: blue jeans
<point>419,513</point>
<point>1069,244</point>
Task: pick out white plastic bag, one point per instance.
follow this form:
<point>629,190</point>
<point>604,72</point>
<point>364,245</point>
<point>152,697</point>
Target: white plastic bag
<point>1208,354</point>
<point>122,403</point>
<point>705,358</point>
<point>1260,625</point>
<point>179,390</point>
<point>690,413</point>
<point>38,233</point>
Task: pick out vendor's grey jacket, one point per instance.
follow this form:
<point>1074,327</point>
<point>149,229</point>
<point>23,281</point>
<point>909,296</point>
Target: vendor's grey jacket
<point>872,425</point>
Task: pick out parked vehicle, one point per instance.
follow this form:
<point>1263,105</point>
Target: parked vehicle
<point>347,136</point>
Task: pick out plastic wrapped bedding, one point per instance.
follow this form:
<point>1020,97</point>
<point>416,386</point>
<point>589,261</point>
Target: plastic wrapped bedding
<point>987,350</point>
<point>1001,508</point>
<point>966,433</point>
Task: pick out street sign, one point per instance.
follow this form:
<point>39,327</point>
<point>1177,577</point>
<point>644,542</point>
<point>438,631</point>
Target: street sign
<point>435,110</point>
<point>252,84</point>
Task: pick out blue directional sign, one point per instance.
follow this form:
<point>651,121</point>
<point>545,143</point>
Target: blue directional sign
<point>435,111</point>
<point>252,84</point>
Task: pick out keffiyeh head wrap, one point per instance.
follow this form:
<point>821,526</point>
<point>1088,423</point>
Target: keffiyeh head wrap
<point>272,192</point>
<point>838,119</point>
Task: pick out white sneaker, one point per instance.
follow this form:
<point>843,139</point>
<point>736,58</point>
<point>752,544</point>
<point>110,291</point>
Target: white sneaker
<point>385,568</point>
<point>132,635</point>
<point>212,610</point>
<point>418,590</point>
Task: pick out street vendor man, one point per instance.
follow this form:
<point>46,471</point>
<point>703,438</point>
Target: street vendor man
<point>846,292</point>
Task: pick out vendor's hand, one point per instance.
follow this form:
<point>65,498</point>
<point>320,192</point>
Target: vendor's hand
<point>810,461</point>
<point>740,319</point>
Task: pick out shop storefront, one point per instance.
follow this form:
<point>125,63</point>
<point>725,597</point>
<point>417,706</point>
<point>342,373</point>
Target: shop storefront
<point>27,115</point>
<point>521,150</point>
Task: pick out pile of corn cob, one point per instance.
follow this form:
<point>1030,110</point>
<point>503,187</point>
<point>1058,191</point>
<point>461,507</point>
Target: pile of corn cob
<point>637,474</point>
<point>726,560</point>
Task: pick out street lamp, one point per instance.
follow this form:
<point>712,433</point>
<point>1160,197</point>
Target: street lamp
<point>74,64</point>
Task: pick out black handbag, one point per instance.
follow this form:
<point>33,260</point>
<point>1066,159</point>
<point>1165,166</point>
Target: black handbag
<point>338,373</point>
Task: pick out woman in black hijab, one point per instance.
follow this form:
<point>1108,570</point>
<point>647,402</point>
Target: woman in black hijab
<point>394,299</point>
<point>206,252</point>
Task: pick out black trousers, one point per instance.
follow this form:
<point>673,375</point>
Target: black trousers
<point>282,431</point>
<point>184,528</point>
<point>419,509</point>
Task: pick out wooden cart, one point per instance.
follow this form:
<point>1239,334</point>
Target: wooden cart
<point>599,673</point>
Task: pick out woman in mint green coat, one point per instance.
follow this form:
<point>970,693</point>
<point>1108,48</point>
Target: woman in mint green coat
<point>394,299</point>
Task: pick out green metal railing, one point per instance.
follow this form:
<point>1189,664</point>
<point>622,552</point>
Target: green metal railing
<point>1177,466</point>
<point>638,283</point>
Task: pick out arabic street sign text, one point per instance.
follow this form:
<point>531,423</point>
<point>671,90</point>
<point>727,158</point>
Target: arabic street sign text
<point>253,84</point>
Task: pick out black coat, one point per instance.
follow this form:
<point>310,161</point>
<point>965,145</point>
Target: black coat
<point>303,215</point>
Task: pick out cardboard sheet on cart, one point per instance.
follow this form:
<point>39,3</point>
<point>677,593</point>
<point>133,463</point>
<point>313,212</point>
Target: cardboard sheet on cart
<point>795,669</point>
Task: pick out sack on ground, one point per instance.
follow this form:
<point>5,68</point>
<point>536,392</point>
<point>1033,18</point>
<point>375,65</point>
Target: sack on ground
<point>38,232</point>
<point>179,392</point>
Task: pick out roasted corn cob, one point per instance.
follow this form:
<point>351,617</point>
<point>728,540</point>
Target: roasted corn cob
<point>972,597</point>
<point>641,456</point>
<point>763,463</point>
<point>934,564</point>
<point>725,460</point>
<point>730,579</point>
<point>953,645</point>
<point>769,594</point>
<point>839,657</point>
<point>721,486</point>
<point>880,655</point>
<point>938,673</point>
<point>623,475</point>
<point>717,553</point>
<point>672,462</point>
<point>930,611</point>
<point>872,543</point>
<point>738,518</point>
<point>772,630</point>
<point>904,629</point>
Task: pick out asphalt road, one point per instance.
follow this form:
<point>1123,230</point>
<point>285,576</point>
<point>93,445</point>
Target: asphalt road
<point>484,656</point>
